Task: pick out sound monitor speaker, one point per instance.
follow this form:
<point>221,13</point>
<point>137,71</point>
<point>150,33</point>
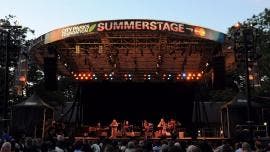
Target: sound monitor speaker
<point>219,80</point>
<point>50,67</point>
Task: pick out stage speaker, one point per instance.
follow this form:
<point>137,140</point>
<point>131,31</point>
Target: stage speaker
<point>50,67</point>
<point>219,80</point>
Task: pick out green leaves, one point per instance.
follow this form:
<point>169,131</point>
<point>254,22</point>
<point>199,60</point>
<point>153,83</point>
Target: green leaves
<point>92,27</point>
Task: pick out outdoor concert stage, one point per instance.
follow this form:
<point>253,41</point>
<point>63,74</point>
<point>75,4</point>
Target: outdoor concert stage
<point>133,69</point>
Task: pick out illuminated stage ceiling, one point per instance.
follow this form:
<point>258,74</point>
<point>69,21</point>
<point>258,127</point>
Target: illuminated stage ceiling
<point>132,46</point>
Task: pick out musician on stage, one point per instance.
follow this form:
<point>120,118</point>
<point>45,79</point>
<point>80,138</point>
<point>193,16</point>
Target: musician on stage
<point>114,126</point>
<point>146,126</point>
<point>171,125</point>
<point>147,129</point>
<point>126,128</point>
<point>162,126</point>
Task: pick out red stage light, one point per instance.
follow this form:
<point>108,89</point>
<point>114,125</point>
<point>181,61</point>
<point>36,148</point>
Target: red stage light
<point>22,78</point>
<point>199,75</point>
<point>81,78</point>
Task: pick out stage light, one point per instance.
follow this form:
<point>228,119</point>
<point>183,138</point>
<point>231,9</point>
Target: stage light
<point>265,123</point>
<point>84,74</point>
<point>170,75</point>
<point>164,75</point>
<point>77,78</point>
<point>105,75</point>
<point>110,75</point>
<point>125,75</point>
<point>193,74</point>
<point>86,78</point>
<point>179,75</point>
<point>80,74</point>
<point>96,78</point>
<point>94,75</point>
<point>184,75</point>
<point>189,74</point>
<point>197,78</point>
<point>75,75</point>
<point>199,75</point>
<point>129,75</point>
<point>81,78</point>
<point>237,25</point>
<point>188,78</point>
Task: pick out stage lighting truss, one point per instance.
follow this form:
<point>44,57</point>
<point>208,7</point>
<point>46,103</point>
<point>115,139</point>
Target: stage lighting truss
<point>184,76</point>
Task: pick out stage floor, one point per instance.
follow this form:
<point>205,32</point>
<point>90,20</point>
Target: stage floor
<point>142,138</point>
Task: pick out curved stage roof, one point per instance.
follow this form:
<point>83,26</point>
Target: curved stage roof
<point>133,46</point>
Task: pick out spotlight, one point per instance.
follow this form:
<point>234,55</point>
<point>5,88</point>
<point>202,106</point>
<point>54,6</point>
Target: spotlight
<point>184,75</point>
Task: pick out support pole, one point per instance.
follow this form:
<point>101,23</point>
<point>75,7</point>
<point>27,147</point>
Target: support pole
<point>43,125</point>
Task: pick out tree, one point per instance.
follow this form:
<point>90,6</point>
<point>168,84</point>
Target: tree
<point>13,40</point>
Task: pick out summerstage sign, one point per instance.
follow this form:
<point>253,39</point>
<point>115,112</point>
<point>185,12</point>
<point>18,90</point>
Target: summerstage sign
<point>133,25</point>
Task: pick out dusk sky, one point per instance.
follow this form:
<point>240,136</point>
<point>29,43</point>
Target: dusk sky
<point>46,15</point>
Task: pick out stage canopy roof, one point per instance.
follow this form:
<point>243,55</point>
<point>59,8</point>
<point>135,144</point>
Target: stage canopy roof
<point>129,48</point>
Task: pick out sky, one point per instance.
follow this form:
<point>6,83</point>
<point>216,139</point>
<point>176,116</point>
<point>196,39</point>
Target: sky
<point>46,15</point>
